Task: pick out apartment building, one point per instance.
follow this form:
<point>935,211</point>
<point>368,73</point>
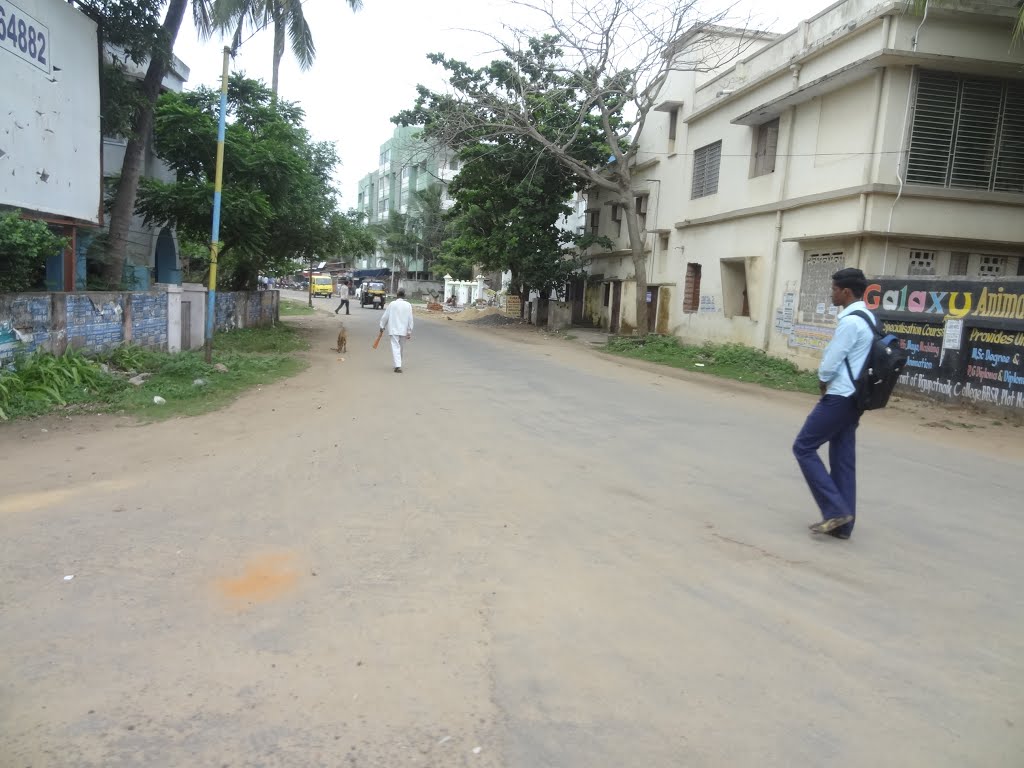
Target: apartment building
<point>865,137</point>
<point>407,165</point>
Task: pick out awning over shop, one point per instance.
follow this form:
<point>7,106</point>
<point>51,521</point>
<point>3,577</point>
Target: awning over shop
<point>362,273</point>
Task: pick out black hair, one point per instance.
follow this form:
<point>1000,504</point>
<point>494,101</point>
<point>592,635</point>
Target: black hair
<point>401,293</point>
<point>851,278</point>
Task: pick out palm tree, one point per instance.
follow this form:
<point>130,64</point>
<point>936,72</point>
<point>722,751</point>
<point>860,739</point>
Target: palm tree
<point>285,15</point>
<point>123,206</point>
<point>395,240</point>
<point>428,223</point>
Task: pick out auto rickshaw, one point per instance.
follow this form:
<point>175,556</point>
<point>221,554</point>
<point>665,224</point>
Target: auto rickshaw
<point>372,293</point>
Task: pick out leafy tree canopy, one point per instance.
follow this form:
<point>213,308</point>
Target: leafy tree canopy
<point>512,190</point>
<point>24,247</point>
<point>278,202</point>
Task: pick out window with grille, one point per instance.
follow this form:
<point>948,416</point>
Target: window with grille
<point>766,145</point>
<point>992,266</point>
<point>816,286</point>
<point>968,133</point>
<point>595,221</point>
<point>706,163</point>
<point>691,288</point>
<point>921,263</point>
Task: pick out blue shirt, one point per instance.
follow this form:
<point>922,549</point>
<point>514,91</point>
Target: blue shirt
<point>852,340</point>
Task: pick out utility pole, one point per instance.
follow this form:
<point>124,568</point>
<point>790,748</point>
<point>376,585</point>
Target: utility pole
<point>311,281</point>
<point>211,293</point>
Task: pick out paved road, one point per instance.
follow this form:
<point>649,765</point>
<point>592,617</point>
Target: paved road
<point>517,553</point>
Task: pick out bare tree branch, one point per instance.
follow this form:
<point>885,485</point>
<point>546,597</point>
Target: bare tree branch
<point>581,88</point>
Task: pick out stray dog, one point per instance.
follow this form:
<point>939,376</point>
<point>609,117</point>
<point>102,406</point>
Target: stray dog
<point>342,339</point>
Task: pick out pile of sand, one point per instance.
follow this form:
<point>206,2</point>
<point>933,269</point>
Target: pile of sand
<point>472,313</point>
<point>497,319</point>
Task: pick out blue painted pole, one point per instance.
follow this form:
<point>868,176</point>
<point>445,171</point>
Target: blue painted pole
<point>211,295</point>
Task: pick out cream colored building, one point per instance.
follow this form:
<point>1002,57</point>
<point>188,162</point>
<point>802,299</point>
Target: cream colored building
<point>865,137</point>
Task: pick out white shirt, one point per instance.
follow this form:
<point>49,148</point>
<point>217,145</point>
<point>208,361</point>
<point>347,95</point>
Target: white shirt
<point>852,340</point>
<point>397,318</point>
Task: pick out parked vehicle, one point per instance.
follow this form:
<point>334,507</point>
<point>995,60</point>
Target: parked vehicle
<point>372,293</point>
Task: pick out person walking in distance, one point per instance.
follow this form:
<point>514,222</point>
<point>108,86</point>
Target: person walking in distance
<point>343,292</point>
<point>397,321</point>
<point>835,418</point>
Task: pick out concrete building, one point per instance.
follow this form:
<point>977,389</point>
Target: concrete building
<point>50,142</point>
<point>865,137</point>
<point>53,159</point>
<point>407,164</point>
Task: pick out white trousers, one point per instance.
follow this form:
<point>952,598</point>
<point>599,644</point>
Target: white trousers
<point>397,342</point>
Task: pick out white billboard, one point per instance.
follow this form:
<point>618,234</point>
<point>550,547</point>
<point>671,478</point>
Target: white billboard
<point>50,132</point>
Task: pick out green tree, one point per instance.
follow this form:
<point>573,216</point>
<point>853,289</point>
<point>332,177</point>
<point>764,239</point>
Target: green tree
<point>509,197</point>
<point>159,54</point>
<point>428,221</point>
<point>278,203</point>
<point>286,16</point>
<point>584,87</point>
<point>128,31</point>
<point>25,245</point>
<point>356,239</point>
<point>396,240</point>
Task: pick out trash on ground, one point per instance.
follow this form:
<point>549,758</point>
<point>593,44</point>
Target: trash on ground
<point>476,750</point>
<point>69,577</point>
<point>159,400</point>
<point>699,365</point>
<point>199,383</point>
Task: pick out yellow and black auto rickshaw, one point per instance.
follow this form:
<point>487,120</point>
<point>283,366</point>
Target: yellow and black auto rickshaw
<point>372,293</point>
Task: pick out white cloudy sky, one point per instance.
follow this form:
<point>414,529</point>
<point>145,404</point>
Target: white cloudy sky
<point>368,63</point>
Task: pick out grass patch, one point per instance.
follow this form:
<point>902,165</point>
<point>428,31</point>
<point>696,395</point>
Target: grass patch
<point>41,383</point>
<point>280,339</point>
<point>38,383</point>
<point>289,308</point>
<point>729,361</point>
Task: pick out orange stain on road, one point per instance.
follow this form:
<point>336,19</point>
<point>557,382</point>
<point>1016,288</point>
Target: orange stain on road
<point>265,577</point>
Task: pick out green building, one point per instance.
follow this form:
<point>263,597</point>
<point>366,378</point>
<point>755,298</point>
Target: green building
<point>407,164</point>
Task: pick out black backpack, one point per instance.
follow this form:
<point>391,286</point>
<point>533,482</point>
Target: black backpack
<point>885,362</point>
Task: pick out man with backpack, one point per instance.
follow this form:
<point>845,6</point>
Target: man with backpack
<point>835,418</point>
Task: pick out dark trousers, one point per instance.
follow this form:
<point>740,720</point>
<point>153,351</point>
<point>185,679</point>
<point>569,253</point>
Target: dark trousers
<point>344,303</point>
<point>834,421</point>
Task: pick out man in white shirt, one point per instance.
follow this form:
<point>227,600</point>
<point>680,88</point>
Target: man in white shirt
<point>397,320</point>
<point>835,418</point>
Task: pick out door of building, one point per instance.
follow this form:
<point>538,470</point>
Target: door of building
<point>166,258</point>
<point>616,323</point>
<point>186,325</point>
<point>576,291</point>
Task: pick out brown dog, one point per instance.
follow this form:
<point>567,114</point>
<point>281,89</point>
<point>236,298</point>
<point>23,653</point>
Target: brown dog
<point>343,339</point>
